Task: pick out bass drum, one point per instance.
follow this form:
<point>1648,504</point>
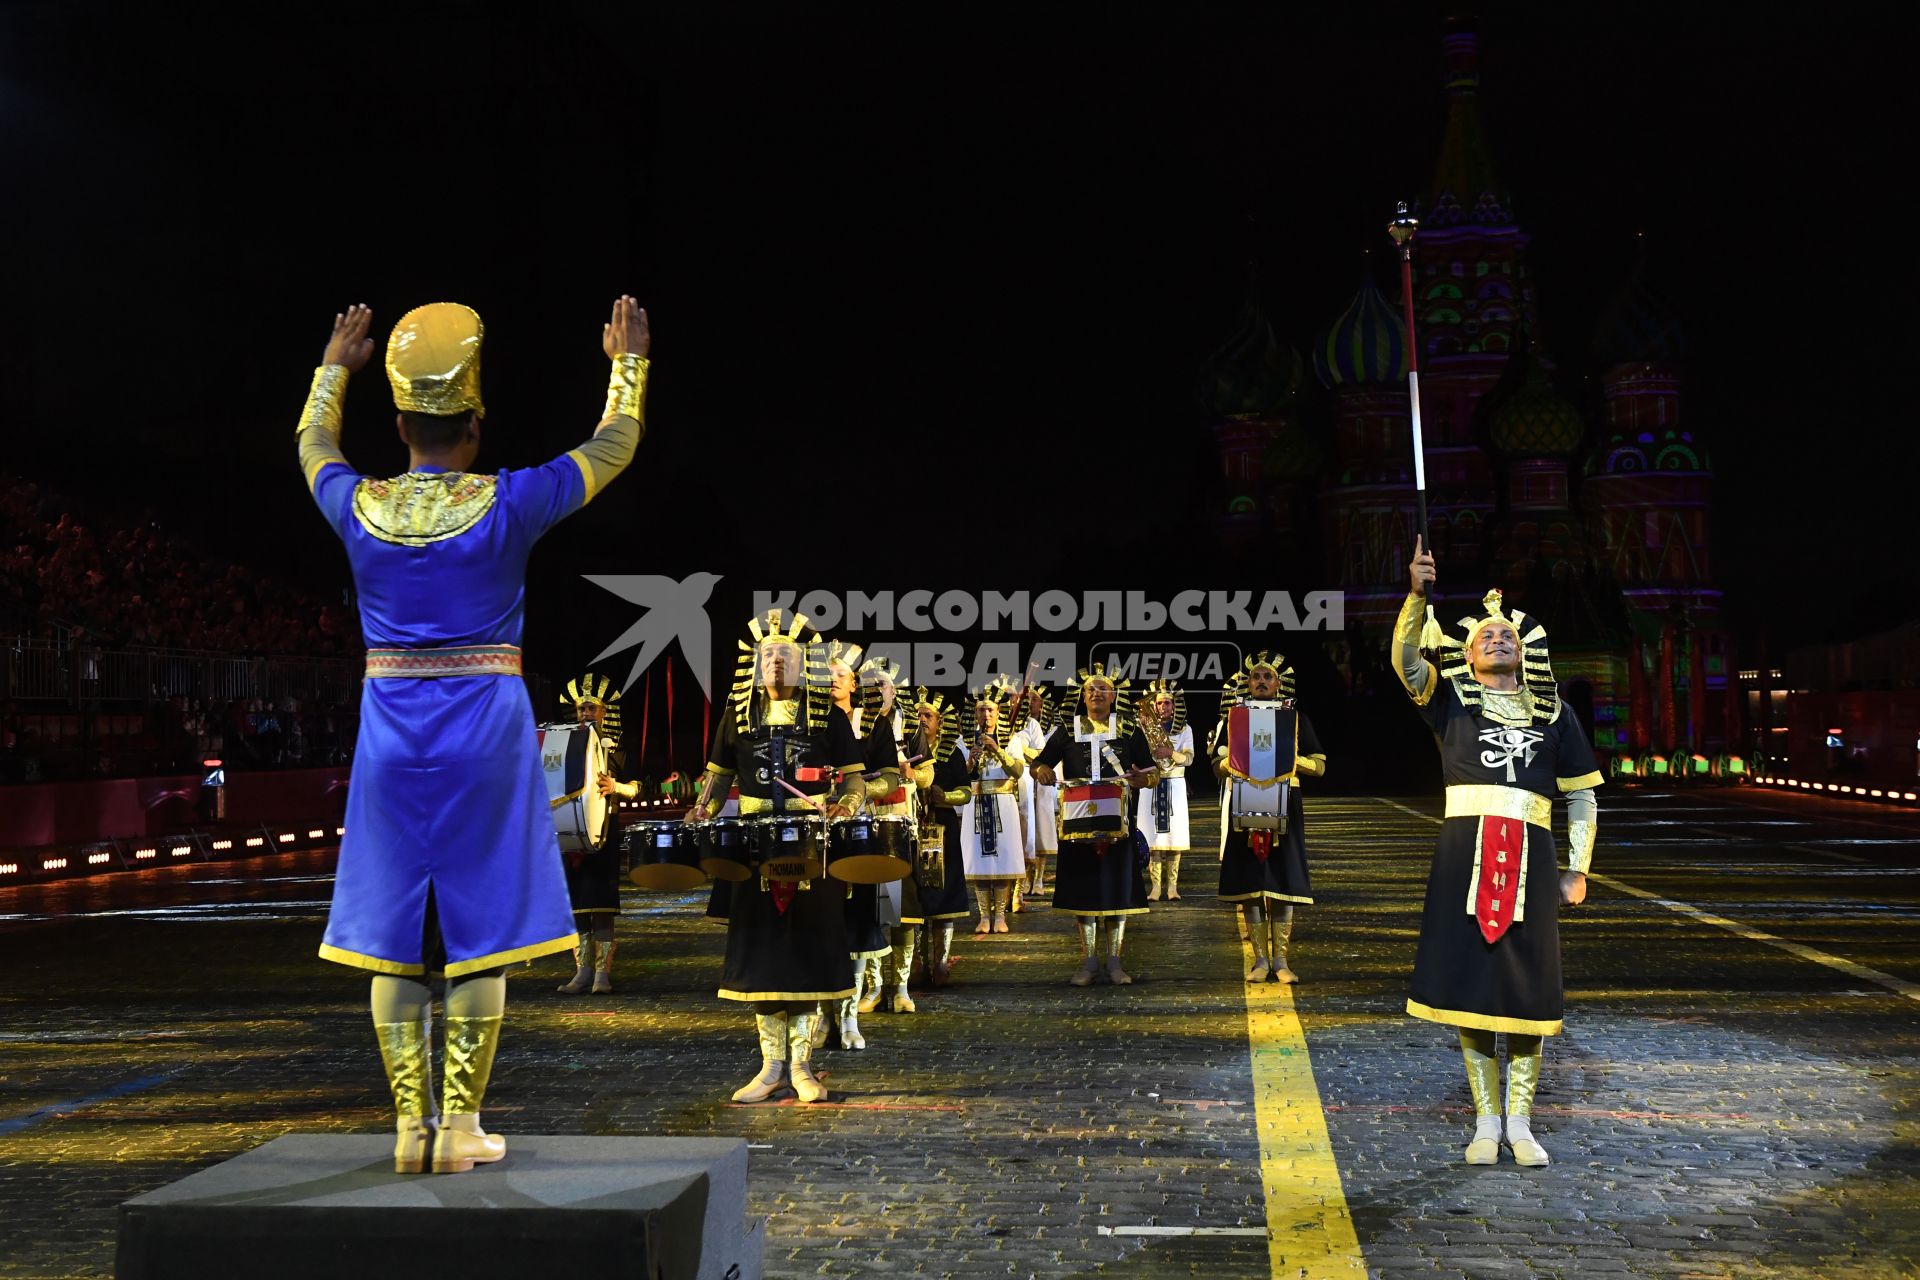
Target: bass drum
<point>573,756</point>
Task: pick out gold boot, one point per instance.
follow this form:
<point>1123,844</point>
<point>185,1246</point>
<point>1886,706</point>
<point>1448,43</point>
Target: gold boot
<point>582,967</point>
<point>1523,1076</point>
<point>1483,1081</point>
<point>806,1085</point>
<point>1173,877</point>
<point>407,1052</point>
<point>1154,870</point>
<point>461,1143</point>
<point>773,1059</point>
<point>1280,929</point>
<point>603,970</point>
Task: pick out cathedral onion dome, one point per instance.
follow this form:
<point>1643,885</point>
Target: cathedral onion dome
<point>1253,374</point>
<point>1536,422</point>
<point>1367,344</point>
<point>1640,326</point>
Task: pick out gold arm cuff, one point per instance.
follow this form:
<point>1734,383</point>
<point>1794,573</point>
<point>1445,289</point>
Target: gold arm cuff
<point>1490,800</point>
<point>627,790</point>
<point>323,400</point>
<point>1585,782</point>
<point>627,388</point>
<point>1580,837</point>
<point>1406,632</point>
<point>1312,766</point>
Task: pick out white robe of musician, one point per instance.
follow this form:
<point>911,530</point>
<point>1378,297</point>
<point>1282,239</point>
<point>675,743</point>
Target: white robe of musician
<point>1175,835</point>
<point>1010,860</point>
<point>1039,805</point>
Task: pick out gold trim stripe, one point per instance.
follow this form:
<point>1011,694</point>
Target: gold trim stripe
<point>1484,1021</point>
<point>786,995</point>
<point>565,942</point>
<point>1490,800</point>
<point>375,963</point>
<point>433,664</point>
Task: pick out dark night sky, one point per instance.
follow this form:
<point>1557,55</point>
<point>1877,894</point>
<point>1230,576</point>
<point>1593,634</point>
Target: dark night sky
<point>975,245</point>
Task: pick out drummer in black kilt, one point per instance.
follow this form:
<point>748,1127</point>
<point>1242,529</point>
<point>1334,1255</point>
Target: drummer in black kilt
<point>873,911</point>
<point>891,792</point>
<point>786,939</point>
<point>1489,955</point>
<point>1099,761</point>
<point>1263,859</point>
<point>936,894</point>
<point>593,875</point>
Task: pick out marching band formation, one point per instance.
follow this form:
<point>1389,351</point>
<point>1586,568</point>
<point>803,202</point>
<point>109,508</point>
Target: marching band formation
<point>846,824</point>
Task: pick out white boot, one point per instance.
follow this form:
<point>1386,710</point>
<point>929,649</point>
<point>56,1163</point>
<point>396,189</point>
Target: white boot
<point>582,967</point>
<point>806,1085</point>
<point>773,1059</point>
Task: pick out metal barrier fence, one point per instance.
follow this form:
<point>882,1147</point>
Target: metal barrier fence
<point>34,673</point>
<point>38,671</point>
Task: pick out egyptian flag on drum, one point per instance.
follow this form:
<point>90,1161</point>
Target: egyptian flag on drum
<point>1092,810</point>
<point>1263,742</point>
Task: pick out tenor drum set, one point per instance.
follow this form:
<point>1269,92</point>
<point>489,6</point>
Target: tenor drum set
<point>674,856</point>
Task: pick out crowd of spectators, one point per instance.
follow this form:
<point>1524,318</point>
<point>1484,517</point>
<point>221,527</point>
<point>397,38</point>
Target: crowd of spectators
<point>129,583</point>
<point>101,582</point>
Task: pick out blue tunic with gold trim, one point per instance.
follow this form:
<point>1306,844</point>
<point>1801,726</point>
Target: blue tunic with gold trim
<point>448,804</point>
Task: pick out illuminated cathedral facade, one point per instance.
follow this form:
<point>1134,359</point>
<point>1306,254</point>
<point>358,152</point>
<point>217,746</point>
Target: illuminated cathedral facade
<point>1589,510</point>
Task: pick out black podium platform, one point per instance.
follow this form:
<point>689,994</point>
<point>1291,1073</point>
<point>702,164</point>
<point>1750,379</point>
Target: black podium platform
<point>307,1208</point>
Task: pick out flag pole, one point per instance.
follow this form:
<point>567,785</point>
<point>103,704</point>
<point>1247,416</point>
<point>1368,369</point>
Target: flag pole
<point>1402,230</point>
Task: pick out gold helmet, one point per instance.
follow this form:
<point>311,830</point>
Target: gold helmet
<point>1536,667</point>
<point>433,360</point>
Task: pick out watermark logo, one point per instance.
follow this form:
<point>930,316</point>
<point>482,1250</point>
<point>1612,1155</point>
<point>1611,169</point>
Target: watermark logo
<point>673,611</point>
<point>1141,638</point>
<point>1197,662</point>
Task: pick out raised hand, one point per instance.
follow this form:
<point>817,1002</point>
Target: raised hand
<point>1421,572</point>
<point>627,332</point>
<point>349,344</point>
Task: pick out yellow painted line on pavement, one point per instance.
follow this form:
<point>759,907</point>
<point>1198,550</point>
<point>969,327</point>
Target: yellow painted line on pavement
<point>1309,1228</point>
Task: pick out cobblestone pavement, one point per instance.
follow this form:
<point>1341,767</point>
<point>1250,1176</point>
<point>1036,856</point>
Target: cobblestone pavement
<point>1735,1093</point>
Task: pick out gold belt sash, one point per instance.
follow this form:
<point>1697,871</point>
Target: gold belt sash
<point>432,664</point>
<point>1006,788</point>
<point>1489,800</point>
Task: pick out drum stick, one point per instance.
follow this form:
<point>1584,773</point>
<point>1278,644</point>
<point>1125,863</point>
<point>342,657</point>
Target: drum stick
<point>811,802</point>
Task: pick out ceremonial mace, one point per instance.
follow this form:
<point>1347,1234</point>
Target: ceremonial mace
<point>1401,229</point>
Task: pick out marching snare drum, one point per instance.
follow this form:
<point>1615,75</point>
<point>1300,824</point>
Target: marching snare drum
<point>1258,808</point>
<point>573,756</point>
<point>662,856</point>
<point>870,848</point>
<point>789,846</point>
<point>722,848</point>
